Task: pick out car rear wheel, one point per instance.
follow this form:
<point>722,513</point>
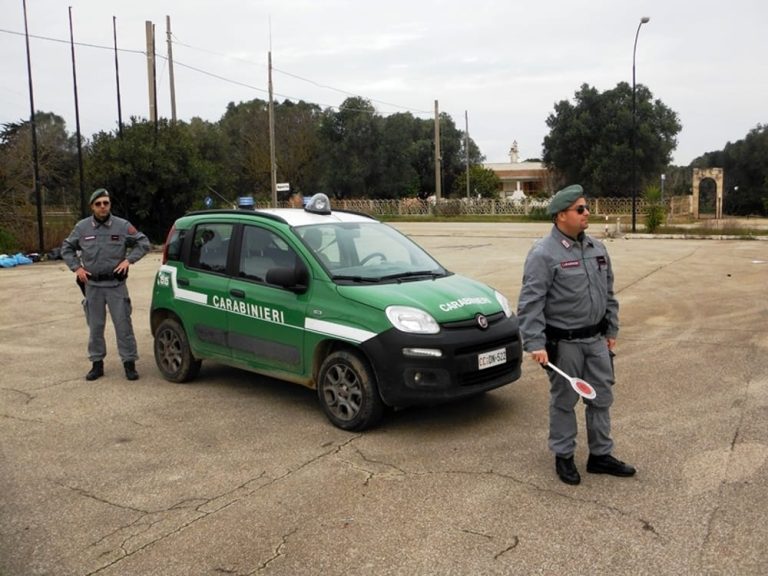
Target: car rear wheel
<point>172,353</point>
<point>348,392</point>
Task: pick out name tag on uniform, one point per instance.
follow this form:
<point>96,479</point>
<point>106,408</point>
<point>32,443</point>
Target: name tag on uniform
<point>89,238</point>
<point>570,264</point>
<point>114,237</point>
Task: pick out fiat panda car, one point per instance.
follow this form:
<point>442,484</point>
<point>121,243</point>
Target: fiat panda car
<point>332,300</point>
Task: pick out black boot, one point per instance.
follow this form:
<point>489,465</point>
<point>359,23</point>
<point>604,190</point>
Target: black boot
<point>607,464</point>
<point>130,370</point>
<point>97,370</point>
<point>566,470</point>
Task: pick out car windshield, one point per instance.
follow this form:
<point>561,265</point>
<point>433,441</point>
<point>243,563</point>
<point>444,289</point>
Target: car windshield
<point>368,252</point>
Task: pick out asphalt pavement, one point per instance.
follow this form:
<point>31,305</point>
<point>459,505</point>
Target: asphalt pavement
<point>234,473</point>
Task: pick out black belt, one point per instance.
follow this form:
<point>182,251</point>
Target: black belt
<point>108,276</point>
<point>555,333</point>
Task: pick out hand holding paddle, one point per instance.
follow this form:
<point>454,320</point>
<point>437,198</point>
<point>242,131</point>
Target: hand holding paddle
<point>582,388</point>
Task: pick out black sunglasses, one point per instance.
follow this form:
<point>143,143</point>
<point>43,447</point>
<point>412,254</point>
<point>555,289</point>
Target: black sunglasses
<point>101,203</point>
<point>581,208</point>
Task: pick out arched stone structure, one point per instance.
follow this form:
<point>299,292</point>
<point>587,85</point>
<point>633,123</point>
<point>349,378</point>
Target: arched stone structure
<point>715,174</point>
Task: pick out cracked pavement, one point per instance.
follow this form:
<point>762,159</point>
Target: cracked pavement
<point>237,474</point>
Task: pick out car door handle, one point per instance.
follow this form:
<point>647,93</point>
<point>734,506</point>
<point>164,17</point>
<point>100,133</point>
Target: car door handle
<point>237,293</point>
<point>182,282</point>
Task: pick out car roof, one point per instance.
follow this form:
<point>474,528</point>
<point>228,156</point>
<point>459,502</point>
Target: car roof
<point>301,217</point>
<point>290,216</point>
<point>317,210</point>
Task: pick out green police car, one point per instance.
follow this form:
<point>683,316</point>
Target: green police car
<point>332,300</point>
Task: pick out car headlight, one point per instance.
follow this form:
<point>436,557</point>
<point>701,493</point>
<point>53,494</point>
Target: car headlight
<point>413,320</point>
<point>504,304</point>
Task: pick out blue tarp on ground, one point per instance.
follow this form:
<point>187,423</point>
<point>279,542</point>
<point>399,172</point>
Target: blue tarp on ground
<point>15,260</point>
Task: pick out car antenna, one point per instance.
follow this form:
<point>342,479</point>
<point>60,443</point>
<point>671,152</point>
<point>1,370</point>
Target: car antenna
<point>233,204</point>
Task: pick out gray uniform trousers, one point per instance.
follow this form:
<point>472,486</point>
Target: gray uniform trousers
<point>116,298</point>
<point>590,360</point>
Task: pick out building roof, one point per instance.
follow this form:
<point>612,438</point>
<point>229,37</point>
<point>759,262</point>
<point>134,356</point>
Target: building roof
<point>517,169</point>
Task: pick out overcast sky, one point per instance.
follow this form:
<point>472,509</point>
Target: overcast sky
<point>505,62</point>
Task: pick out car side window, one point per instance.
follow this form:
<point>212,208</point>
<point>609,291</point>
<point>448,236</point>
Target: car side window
<point>174,244</point>
<point>210,246</point>
<point>262,249</point>
<point>322,241</point>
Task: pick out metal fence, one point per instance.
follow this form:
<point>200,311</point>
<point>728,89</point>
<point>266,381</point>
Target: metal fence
<point>676,207</point>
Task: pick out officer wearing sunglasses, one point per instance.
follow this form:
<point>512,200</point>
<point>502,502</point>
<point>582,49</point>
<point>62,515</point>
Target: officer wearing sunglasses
<point>569,316</point>
<point>99,251</point>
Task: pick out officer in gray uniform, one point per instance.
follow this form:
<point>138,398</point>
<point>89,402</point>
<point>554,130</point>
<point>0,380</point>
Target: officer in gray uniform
<point>99,251</point>
<point>569,316</point>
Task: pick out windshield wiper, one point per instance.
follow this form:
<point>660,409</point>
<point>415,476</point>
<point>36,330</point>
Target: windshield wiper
<point>357,278</point>
<point>412,274</point>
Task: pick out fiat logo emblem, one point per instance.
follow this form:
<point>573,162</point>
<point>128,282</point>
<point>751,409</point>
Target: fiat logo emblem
<point>482,321</point>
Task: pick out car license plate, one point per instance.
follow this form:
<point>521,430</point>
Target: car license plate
<point>492,358</point>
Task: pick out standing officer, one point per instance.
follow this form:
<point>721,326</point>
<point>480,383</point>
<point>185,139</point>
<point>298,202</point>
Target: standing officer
<point>99,250</point>
<point>569,316</point>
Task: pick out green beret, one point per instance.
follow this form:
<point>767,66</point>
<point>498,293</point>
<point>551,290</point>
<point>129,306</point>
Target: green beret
<point>565,198</point>
<point>98,194</point>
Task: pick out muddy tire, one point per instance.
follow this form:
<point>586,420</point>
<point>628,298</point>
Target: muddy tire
<point>348,392</point>
<point>172,353</point>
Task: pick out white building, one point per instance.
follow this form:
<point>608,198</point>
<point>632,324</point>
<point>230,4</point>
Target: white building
<point>520,179</point>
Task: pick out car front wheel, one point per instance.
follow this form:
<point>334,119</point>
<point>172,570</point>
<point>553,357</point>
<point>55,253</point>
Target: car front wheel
<point>172,353</point>
<point>348,392</point>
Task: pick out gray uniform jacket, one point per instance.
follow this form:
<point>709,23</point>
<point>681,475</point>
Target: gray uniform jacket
<point>567,284</point>
<point>102,246</point>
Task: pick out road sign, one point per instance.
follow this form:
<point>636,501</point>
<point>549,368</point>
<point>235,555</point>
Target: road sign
<point>283,187</point>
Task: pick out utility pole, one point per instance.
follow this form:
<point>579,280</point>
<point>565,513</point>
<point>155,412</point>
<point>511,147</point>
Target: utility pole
<point>272,163</point>
<point>33,128</point>
<point>170,68</point>
<point>117,80</point>
<point>466,145</point>
<point>438,157</point>
<point>149,30</point>
<point>83,212</point>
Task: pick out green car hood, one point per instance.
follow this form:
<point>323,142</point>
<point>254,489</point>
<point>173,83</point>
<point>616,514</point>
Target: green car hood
<point>447,299</point>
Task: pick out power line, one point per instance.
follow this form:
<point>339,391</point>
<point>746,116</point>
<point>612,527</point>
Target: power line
<point>297,77</point>
<point>230,80</point>
<point>48,38</point>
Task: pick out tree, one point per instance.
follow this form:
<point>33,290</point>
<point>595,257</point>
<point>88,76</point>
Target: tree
<point>349,149</point>
<point>590,142</point>
<point>155,172</point>
<point>482,181</point>
<point>246,131</point>
<point>745,164</point>
<point>297,145</point>
<point>399,175</point>
<point>57,161</point>
<point>452,153</point>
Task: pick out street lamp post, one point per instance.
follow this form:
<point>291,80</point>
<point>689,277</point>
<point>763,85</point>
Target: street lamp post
<point>643,20</point>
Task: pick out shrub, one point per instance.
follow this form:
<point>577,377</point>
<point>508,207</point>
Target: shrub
<point>655,212</point>
<point>654,218</point>
<point>8,242</point>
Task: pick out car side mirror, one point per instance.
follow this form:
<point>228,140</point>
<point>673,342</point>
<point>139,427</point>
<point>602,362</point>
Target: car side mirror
<point>294,278</point>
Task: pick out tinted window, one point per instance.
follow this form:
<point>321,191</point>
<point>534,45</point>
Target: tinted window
<point>261,250</point>
<point>210,246</point>
<point>175,243</point>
